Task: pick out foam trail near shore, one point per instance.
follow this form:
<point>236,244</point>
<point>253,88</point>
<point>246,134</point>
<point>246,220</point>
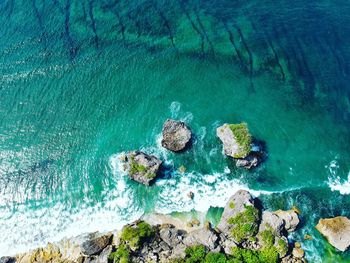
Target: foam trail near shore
<point>341,185</point>
<point>335,182</point>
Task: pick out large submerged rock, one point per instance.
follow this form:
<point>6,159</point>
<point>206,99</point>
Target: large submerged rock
<point>141,167</point>
<point>336,230</point>
<point>238,144</point>
<point>176,135</point>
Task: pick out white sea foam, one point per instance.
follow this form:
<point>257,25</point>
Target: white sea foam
<point>28,228</point>
<point>175,109</point>
<point>335,182</point>
<point>341,185</point>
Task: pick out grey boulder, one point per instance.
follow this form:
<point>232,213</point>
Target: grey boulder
<point>176,135</point>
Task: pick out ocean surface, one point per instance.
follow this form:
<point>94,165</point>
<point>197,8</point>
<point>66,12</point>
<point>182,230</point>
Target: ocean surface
<point>84,80</point>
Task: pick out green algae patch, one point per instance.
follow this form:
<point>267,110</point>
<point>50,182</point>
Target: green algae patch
<point>243,137</point>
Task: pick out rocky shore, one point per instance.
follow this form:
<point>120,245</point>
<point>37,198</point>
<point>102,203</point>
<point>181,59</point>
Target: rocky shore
<point>245,233</point>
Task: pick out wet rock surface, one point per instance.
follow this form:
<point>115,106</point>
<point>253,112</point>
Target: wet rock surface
<point>176,135</point>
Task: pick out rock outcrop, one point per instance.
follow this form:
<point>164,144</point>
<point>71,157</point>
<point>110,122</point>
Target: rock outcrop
<point>207,237</point>
<point>238,144</point>
<point>290,218</point>
<point>141,167</point>
<point>272,222</point>
<point>176,135</point>
<point>336,230</point>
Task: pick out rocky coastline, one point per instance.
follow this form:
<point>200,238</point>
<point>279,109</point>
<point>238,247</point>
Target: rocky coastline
<point>246,231</point>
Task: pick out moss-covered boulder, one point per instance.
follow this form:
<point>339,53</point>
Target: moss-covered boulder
<point>336,230</point>
<point>141,167</point>
<point>238,144</point>
<point>236,139</point>
<point>240,218</point>
<point>135,234</point>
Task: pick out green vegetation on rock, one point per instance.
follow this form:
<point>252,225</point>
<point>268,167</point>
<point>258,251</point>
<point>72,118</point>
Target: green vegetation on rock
<point>265,255</point>
<point>232,205</point>
<point>198,254</point>
<point>195,254</point>
<point>139,168</point>
<point>134,235</point>
<point>213,257</point>
<point>244,139</point>
<point>282,247</point>
<point>244,223</point>
<point>122,255</point>
<point>267,237</point>
<point>136,168</point>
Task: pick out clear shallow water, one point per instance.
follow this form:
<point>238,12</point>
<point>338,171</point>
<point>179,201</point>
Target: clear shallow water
<point>85,80</point>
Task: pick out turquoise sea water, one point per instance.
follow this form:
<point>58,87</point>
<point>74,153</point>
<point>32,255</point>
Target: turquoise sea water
<point>82,81</point>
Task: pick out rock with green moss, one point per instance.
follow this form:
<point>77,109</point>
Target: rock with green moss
<point>133,235</point>
<point>236,139</point>
<point>240,218</point>
<point>238,144</point>
<point>141,167</point>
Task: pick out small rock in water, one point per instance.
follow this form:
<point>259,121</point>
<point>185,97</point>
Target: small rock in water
<point>248,162</point>
<point>142,167</point>
<point>190,195</point>
<point>308,237</point>
<point>182,169</point>
<point>236,139</point>
<point>176,135</point>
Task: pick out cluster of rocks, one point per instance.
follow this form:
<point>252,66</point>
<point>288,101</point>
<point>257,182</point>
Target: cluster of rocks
<point>168,242</point>
<point>176,137</point>
<point>145,168</point>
